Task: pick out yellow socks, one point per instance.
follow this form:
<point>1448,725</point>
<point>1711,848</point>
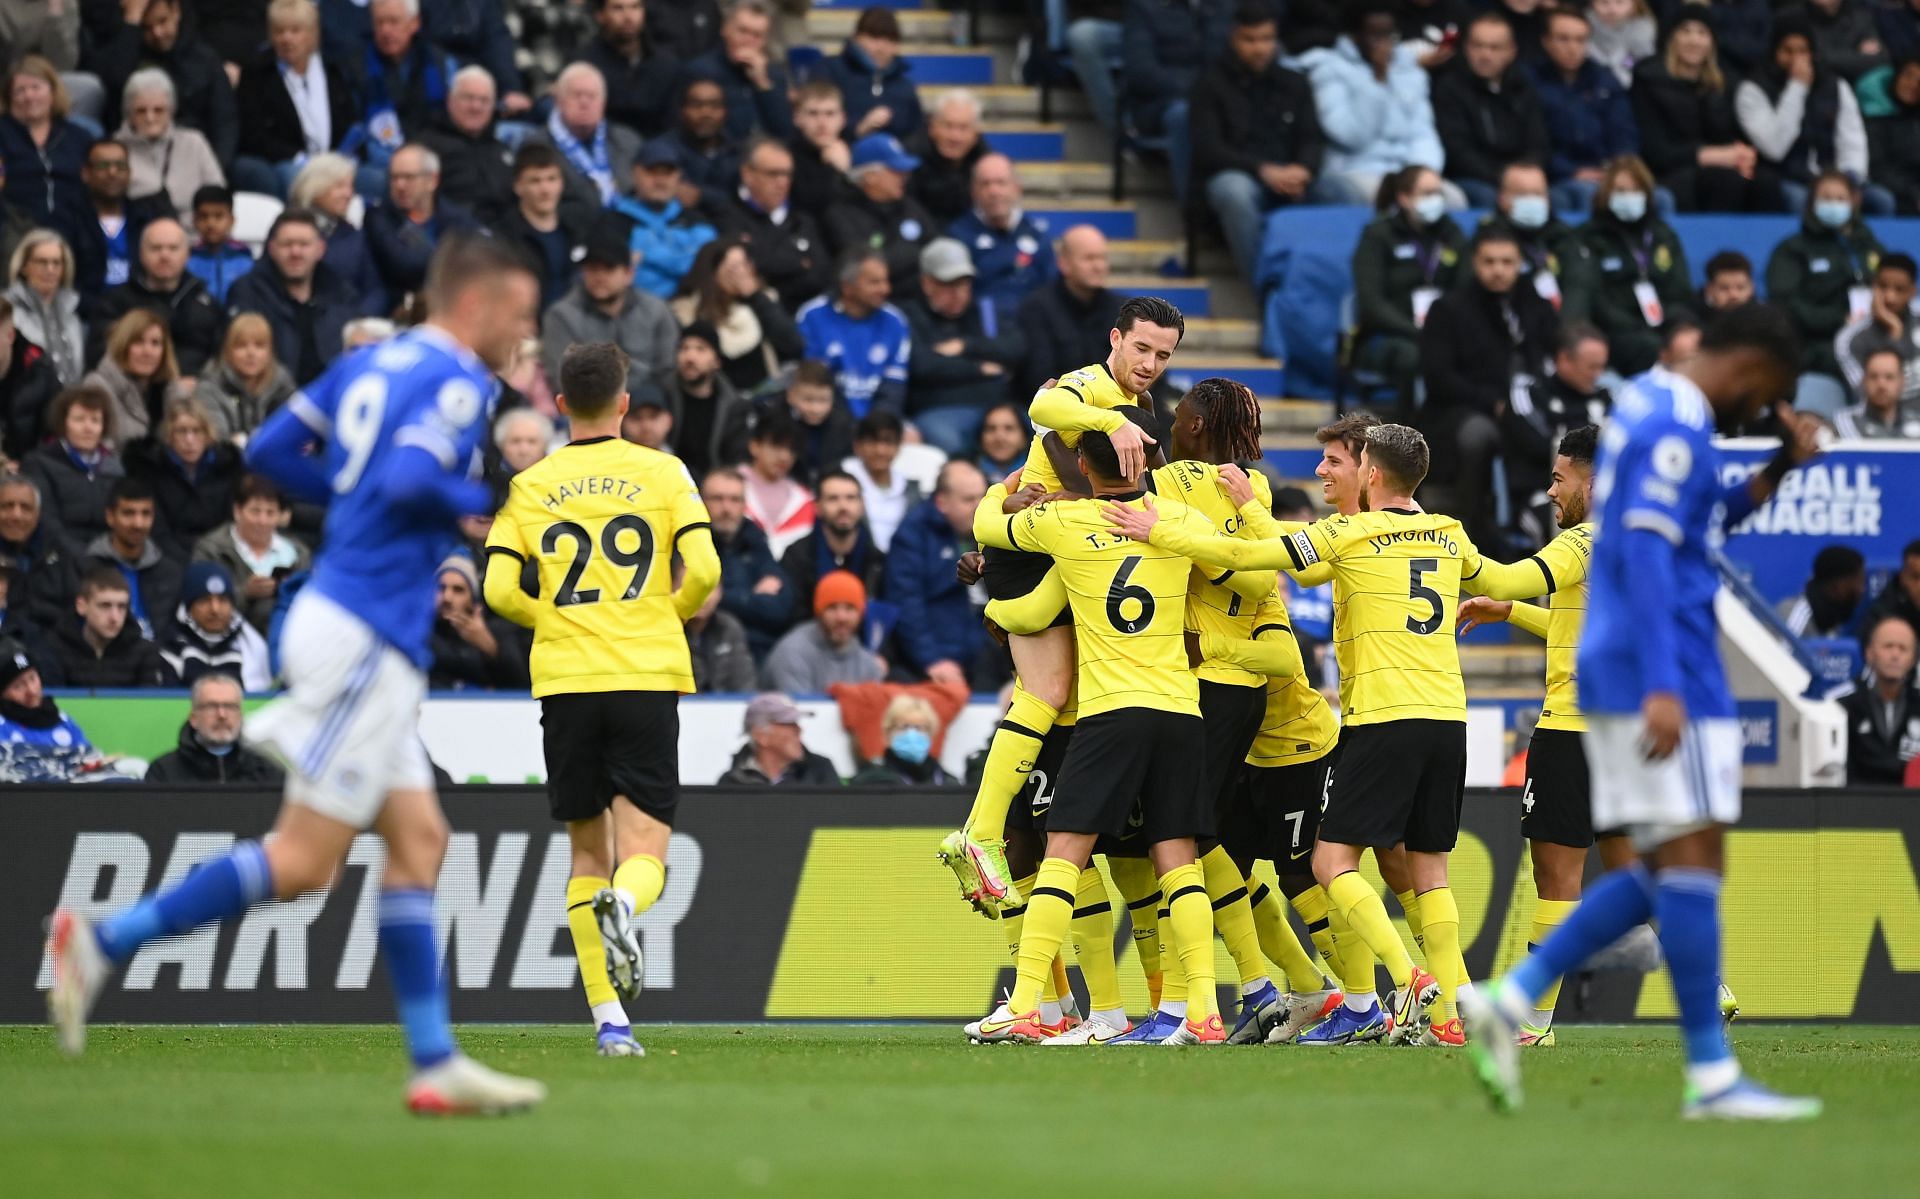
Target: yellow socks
<point>1367,916</point>
<point>1010,758</point>
<point>1548,914</point>
<point>587,945</point>
<point>1282,947</point>
<point>1232,915</point>
<point>1141,890</point>
<point>1416,922</point>
<point>1093,942</point>
<point>640,879</point>
<point>1313,908</point>
<point>1190,918</point>
<point>1356,963</point>
<point>1049,913</point>
<point>1440,917</point>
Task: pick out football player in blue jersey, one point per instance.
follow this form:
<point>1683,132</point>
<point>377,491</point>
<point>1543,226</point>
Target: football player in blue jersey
<point>1663,736</point>
<point>389,438</point>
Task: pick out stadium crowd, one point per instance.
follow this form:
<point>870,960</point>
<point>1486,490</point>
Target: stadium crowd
<point>833,298</point>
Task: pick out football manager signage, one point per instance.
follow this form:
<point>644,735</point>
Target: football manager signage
<point>825,904</point>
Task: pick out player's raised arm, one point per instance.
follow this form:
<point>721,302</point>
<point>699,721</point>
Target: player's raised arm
<point>1801,441</point>
<point>1064,409</point>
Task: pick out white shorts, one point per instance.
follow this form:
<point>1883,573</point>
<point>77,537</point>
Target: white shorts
<point>1654,802</point>
<point>348,727</point>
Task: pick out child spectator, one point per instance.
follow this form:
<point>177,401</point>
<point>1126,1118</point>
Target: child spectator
<point>247,383</point>
<point>888,496</point>
<point>216,260</point>
<point>1003,441</point>
<point>210,636</point>
<point>780,506</point>
<point>99,645</point>
<point>825,426</point>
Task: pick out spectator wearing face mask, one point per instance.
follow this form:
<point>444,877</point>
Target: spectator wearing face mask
<point>1549,249</point>
<point>910,727</point>
<point>1634,277</point>
<point>1823,277</point>
<point>1407,259</point>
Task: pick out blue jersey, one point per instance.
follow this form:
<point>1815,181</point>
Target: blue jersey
<point>424,391</point>
<point>868,355</point>
<point>1657,471</point>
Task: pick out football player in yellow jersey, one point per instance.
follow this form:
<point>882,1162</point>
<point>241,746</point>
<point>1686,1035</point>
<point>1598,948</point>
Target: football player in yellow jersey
<point>1397,573</point>
<point>1556,814</point>
<point>600,520</point>
<point>1139,718</point>
<point>1145,334</point>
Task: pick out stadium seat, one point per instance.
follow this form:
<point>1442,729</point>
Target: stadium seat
<point>920,463</point>
<point>253,215</point>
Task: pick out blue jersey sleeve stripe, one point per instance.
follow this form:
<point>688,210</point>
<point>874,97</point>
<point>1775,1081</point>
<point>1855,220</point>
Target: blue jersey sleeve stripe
<point>309,413</point>
<point>426,439</point>
<point>1654,522</point>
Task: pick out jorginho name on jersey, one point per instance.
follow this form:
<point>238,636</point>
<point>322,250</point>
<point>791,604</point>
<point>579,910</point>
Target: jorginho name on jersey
<point>1658,472</point>
<point>421,390</point>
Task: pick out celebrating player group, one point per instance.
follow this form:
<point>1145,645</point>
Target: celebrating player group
<point>1161,717</point>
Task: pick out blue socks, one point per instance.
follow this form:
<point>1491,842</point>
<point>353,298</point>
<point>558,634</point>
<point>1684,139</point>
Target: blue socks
<point>1607,912</point>
<point>212,891</point>
<point>413,966</point>
<point>1688,907</point>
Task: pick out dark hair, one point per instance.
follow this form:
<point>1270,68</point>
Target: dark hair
<point>90,398</point>
<point>1154,311</point>
<point>1142,418</point>
<point>214,194</point>
<point>878,22</point>
<point>465,260</point>
<point>129,488</point>
<point>1877,352</point>
<point>1911,549</point>
<point>592,376</point>
<point>536,156</point>
<point>1729,262</point>
<point>830,475</point>
<point>879,424</point>
<point>1574,334</point>
<point>1359,14</point>
<point>775,426</point>
<point>1232,415</point>
<point>1837,562</point>
<point>1101,457</point>
<point>257,487</point>
<point>1580,444</point>
<point>1546,26</point>
<point>293,216</point>
<point>1291,499</point>
<point>1898,261</point>
<point>811,374</point>
<point>1350,430</point>
<point>1400,453</point>
<point>1253,13</point>
<point>1674,327</point>
<point>105,141</point>
<point>702,280</point>
<point>105,577</point>
<point>1765,328</point>
<point>1493,233</point>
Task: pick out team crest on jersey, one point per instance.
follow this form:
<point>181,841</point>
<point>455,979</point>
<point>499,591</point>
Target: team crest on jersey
<point>1663,259</point>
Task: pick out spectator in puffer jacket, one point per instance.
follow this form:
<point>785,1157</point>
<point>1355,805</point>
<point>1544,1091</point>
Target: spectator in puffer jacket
<point>876,84</point>
<point>939,632</point>
<point>1372,100</point>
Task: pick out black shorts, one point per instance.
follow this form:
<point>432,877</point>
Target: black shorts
<point>607,743</point>
<point>1011,574</point>
<point>1278,817</point>
<point>1399,781</point>
<point>1557,806</point>
<point>1133,753</point>
<point>1029,807</point>
<point>1231,716</point>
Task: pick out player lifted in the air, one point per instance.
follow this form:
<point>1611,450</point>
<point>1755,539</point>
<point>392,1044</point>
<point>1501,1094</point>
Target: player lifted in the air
<point>601,520</point>
<point>1143,339</point>
<point>1397,573</point>
<point>1139,720</point>
<point>390,440</point>
<point>1663,738</point>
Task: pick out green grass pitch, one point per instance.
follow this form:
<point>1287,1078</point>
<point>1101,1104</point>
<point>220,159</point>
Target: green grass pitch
<point>909,1112</point>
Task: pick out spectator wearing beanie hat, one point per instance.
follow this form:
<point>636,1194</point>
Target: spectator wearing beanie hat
<point>38,742</point>
<point>827,649</point>
<point>705,404</point>
<point>210,635</point>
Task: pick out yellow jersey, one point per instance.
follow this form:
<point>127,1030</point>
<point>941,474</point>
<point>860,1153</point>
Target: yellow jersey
<point>1213,606</point>
<point>1129,601</point>
<point>1564,564</point>
<point>600,520</point>
<point>1083,401</point>
<point>1397,576</point>
<point>1299,725</point>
